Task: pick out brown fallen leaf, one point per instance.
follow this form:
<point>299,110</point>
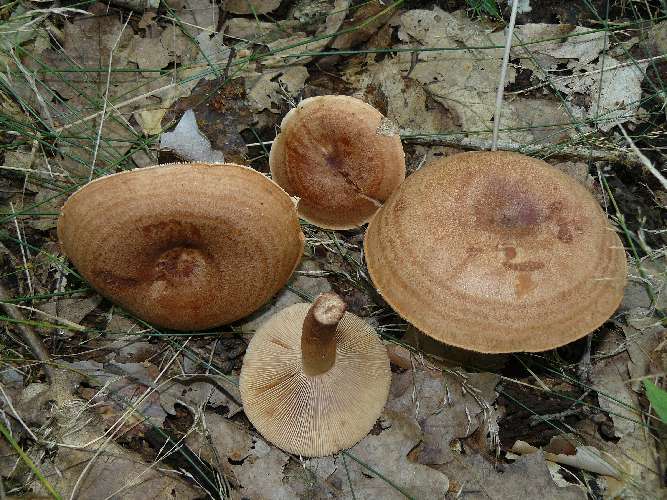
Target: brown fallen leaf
<point>362,15</point>
<point>73,310</point>
<point>301,42</point>
<point>448,406</point>
<point>250,6</point>
<point>387,454</point>
<point>637,453</point>
<point>473,477</point>
<point>115,473</point>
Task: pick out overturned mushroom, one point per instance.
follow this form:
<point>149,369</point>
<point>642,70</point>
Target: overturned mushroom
<point>341,157</point>
<point>183,246</point>
<point>315,378</point>
<point>496,252</point>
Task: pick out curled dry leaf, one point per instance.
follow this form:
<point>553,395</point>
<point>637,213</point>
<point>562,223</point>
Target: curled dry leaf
<point>581,457</point>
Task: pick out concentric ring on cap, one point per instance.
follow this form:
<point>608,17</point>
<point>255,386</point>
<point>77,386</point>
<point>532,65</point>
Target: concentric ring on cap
<point>496,252</point>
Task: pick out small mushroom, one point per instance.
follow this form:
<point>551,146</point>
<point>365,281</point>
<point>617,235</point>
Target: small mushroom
<point>183,246</point>
<point>341,157</point>
<point>315,378</point>
<point>496,252</point>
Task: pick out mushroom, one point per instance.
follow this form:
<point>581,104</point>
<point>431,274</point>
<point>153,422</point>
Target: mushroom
<point>315,378</point>
<point>496,252</point>
<point>183,246</point>
<point>340,156</point>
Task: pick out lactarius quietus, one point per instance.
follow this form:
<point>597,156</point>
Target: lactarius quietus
<point>183,246</point>
<point>496,252</point>
<point>340,157</point>
<point>315,378</point>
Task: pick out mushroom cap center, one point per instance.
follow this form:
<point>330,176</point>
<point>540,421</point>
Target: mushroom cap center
<point>179,263</point>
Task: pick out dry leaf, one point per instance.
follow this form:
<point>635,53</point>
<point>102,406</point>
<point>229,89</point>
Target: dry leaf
<point>189,143</point>
<point>115,472</point>
<point>387,453</point>
<point>261,473</point>
<point>270,89</point>
<point>361,15</point>
<point>575,45</point>
<point>148,53</point>
<point>528,477</point>
<point>215,392</point>
<point>250,6</point>
<point>636,458</point>
<point>583,457</point>
<point>73,310</point>
<point>322,38</point>
<point>228,439</point>
<point>445,405</point>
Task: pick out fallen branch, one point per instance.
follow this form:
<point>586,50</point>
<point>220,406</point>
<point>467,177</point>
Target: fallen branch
<point>581,153</point>
<point>27,333</point>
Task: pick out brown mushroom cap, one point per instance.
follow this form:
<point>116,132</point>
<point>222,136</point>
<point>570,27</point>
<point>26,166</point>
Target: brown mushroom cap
<point>305,396</point>
<point>340,156</point>
<point>496,252</point>
<point>183,246</point>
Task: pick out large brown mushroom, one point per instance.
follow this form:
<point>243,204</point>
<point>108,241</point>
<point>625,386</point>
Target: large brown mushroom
<point>496,252</point>
<point>340,156</point>
<point>183,246</point>
<point>315,378</point>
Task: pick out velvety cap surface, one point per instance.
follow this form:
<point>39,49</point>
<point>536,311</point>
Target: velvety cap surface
<point>183,246</point>
<point>496,252</point>
<point>340,156</point>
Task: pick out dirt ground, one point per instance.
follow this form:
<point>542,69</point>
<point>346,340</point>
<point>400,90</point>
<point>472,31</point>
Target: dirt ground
<point>95,403</point>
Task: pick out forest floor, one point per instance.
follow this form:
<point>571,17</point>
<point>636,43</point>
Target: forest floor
<point>132,411</point>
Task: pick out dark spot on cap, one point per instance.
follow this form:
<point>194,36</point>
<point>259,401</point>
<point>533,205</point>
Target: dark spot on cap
<point>505,208</point>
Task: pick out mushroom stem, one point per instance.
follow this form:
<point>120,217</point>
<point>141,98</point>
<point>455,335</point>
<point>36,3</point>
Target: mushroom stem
<point>318,336</point>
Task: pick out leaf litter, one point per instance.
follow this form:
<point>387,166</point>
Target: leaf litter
<point>119,92</point>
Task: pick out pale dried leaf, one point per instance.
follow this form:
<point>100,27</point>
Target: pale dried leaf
<point>261,473</point>
<point>387,453</point>
<point>250,6</point>
<point>445,405</point>
<point>572,44</point>
<point>584,457</point>
<point>270,89</point>
<point>610,379</point>
<point>189,143</point>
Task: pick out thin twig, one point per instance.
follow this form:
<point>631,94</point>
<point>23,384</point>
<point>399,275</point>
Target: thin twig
<point>27,333</point>
<point>644,161</point>
<point>106,101</point>
<point>503,75</point>
<point>23,255</point>
<point>612,156</point>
